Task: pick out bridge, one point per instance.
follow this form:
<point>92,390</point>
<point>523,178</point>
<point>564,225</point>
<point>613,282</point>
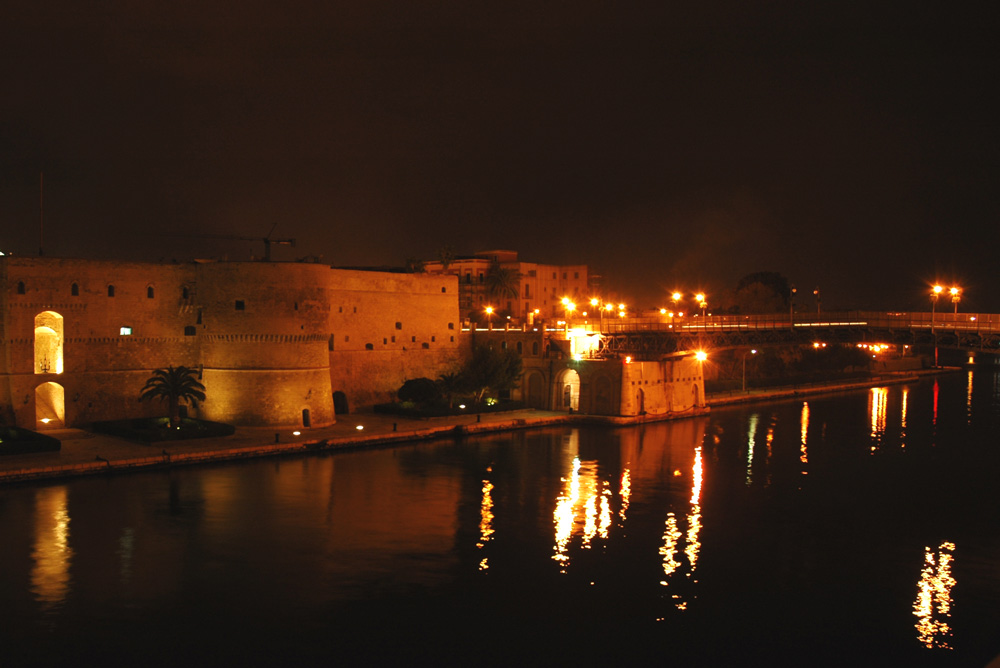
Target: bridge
<point>665,335</point>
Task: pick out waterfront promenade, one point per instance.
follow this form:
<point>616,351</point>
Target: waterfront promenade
<point>87,453</point>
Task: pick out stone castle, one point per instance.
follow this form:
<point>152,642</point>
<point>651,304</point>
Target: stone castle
<point>289,344</point>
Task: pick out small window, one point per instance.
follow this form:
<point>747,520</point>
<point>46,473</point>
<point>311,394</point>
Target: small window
<point>444,289</point>
<point>534,347</point>
<point>433,338</point>
<point>453,339</point>
<point>111,291</point>
<point>347,337</point>
<point>240,305</point>
<point>519,347</point>
<point>503,345</point>
<point>576,274</point>
<point>329,343</point>
<point>369,346</point>
<point>149,292</point>
<point>296,307</point>
<point>393,338</point>
<point>189,330</point>
<point>553,274</point>
<point>355,309</point>
<point>413,339</point>
<point>340,309</point>
<point>20,287</point>
<point>451,325</point>
<point>185,293</point>
<point>425,345</point>
<point>199,317</point>
<point>399,325</point>
<point>125,331</point>
<point>74,290</point>
<point>385,341</point>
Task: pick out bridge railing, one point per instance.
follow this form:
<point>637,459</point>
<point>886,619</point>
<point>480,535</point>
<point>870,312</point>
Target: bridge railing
<point>968,322</point>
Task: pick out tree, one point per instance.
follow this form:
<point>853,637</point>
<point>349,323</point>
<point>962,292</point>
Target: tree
<point>491,370</point>
<point>414,265</point>
<point>419,391</point>
<point>762,292</point>
<point>503,282</point>
<point>451,384</point>
<point>446,255</point>
<point>176,386</point>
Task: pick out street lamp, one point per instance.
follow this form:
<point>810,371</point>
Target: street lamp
<point>489,316</point>
<point>700,298</point>
<point>791,307</point>
<point>818,300</point>
<point>956,296</point>
<point>935,293</point>
<point>752,351</point>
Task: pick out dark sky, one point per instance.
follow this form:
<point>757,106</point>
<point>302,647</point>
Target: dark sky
<point>851,146</point>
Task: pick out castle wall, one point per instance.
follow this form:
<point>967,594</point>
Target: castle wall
<point>672,385</point>
<point>386,328</point>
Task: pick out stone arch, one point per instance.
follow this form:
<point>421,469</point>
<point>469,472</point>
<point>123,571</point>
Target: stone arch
<point>568,390</point>
<point>696,399</point>
<point>49,336</point>
<point>340,406</point>
<point>50,406</point>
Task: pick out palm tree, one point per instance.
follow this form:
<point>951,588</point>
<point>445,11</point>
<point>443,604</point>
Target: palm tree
<point>176,385</point>
<point>503,282</point>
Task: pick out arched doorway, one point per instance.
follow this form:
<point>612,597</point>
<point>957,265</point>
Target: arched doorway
<point>50,406</point>
<point>640,402</point>
<point>568,397</point>
<point>340,403</point>
<point>306,420</point>
<point>48,342</point>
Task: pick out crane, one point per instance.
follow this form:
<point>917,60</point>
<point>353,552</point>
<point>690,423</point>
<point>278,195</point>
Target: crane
<point>267,240</point>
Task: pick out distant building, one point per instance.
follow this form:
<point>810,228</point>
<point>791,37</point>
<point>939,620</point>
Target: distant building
<point>540,287</point>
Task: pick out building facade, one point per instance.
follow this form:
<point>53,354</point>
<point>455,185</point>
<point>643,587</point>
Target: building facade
<point>540,288</point>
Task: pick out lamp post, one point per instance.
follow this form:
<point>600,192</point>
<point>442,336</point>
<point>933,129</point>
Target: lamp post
<point>752,351</point>
<point>791,307</point>
<point>935,293</point>
<point>956,296</point>
<point>489,317</point>
<point>700,298</point>
<point>818,300</point>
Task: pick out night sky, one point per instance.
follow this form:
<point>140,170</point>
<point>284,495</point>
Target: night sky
<point>851,146</point>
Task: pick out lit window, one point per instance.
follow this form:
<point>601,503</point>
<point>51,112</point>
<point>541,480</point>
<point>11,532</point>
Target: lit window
<point>125,331</point>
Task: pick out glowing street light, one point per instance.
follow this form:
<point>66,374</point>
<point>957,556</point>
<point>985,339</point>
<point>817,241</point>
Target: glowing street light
<point>935,293</point>
<point>489,316</point>
<point>701,355</point>
<point>700,298</point>
<point>956,296</point>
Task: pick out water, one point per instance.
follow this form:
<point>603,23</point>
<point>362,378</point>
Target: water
<point>856,529</point>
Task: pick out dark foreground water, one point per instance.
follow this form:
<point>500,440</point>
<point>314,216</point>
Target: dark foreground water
<point>858,529</point>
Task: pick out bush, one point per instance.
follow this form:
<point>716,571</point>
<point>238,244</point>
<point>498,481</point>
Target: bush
<point>419,390</point>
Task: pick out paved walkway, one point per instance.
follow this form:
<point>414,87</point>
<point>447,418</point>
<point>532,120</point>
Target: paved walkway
<point>85,453</point>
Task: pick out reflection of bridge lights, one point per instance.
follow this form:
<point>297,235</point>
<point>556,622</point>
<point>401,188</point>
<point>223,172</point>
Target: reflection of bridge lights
<point>934,597</point>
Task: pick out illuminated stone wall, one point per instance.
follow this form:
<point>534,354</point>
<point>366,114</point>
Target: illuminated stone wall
<point>674,385</point>
<point>271,340</point>
<point>386,328</point>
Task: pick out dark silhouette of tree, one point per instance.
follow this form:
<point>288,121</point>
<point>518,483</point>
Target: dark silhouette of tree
<point>176,386</point>
<point>503,282</point>
<point>419,390</point>
<point>762,292</point>
<point>451,385</point>
<point>491,370</point>
<point>414,265</point>
<point>446,255</point>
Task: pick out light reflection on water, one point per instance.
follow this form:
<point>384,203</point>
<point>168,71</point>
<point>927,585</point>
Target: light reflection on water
<point>668,521</point>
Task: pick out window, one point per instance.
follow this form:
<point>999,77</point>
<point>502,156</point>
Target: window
<point>74,290</point>
<point>519,348</point>
<point>199,317</point>
<point>111,291</point>
<point>189,330</point>
<point>527,290</point>
<point>433,338</point>
<point>534,347</point>
<point>425,345</point>
<point>532,273</point>
<point>480,277</point>
<point>149,292</point>
<point>413,339</point>
<point>20,287</point>
<point>444,289</point>
<point>329,343</point>
<point>553,274</point>
<point>399,325</point>
<point>347,337</point>
<point>369,346</point>
<point>503,345</point>
<point>125,331</point>
<point>576,274</point>
<point>393,338</point>
<point>240,305</point>
<point>453,339</point>
<point>185,293</point>
<point>451,325</point>
<point>385,341</point>
<point>468,277</point>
